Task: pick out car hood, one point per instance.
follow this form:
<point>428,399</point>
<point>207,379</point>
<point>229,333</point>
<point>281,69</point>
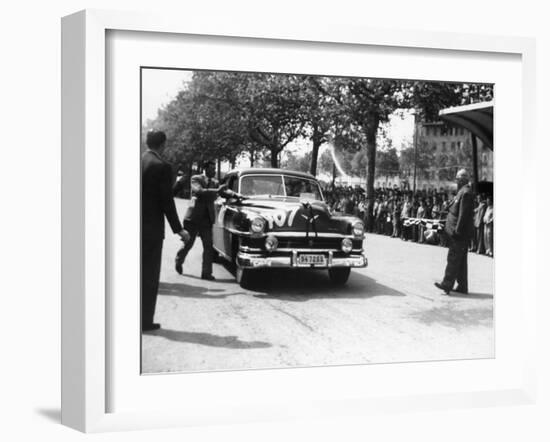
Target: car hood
<point>293,214</point>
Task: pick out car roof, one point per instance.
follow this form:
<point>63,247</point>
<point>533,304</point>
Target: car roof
<point>270,171</point>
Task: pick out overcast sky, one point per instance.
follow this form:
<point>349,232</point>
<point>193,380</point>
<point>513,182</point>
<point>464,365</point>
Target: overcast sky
<point>160,86</point>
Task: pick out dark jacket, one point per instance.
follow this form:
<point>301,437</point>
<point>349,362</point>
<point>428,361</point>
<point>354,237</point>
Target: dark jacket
<point>460,219</point>
<point>203,195</point>
<point>156,197</point>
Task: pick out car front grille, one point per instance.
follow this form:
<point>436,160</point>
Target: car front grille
<point>311,242</point>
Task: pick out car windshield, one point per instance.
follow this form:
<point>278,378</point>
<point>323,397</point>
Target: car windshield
<point>302,188</point>
<point>280,186</point>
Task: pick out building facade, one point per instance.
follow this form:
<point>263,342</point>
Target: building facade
<point>441,151</point>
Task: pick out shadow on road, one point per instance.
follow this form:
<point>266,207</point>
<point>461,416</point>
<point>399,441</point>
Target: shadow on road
<point>191,291</point>
<point>471,295</point>
<point>210,282</point>
<point>456,318</point>
<point>306,285</point>
<point>210,340</point>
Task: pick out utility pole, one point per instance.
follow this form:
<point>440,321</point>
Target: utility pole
<point>474,163</point>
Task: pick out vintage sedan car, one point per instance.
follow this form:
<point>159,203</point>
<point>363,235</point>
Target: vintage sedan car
<point>279,220</point>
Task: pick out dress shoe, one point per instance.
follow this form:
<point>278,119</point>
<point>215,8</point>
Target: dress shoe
<point>442,287</point>
<point>179,265</point>
<point>208,277</point>
<point>150,327</point>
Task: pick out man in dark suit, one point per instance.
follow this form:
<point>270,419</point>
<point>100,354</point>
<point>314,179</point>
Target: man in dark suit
<point>200,218</point>
<point>157,202</point>
<point>459,227</point>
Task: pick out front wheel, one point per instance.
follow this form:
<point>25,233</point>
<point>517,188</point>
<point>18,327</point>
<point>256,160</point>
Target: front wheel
<point>243,276</point>
<point>339,275</point>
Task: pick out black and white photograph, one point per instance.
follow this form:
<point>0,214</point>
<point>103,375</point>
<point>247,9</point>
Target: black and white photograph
<point>292,220</point>
<point>238,221</point>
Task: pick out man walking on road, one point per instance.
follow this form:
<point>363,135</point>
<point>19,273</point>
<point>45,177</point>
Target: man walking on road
<point>199,219</point>
<point>459,227</point>
<point>156,203</point>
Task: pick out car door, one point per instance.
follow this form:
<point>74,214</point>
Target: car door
<point>219,231</point>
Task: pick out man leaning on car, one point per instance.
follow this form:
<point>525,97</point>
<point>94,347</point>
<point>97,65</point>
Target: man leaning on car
<point>200,218</point>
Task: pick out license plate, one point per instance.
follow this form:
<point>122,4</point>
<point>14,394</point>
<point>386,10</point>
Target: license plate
<point>315,260</point>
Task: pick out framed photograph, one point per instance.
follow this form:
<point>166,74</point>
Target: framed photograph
<point>254,220</point>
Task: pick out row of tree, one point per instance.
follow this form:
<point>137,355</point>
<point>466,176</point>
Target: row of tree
<point>224,115</point>
<point>390,162</point>
<point>352,163</point>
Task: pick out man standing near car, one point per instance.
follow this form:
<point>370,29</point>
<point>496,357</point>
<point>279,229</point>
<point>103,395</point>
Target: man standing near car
<point>200,218</point>
<point>459,227</point>
<point>157,203</point>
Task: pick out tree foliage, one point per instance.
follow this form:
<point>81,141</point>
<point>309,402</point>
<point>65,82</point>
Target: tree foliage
<point>271,105</point>
<point>319,114</point>
<point>326,164</point>
<point>296,162</point>
<point>425,159</point>
<point>224,115</point>
<point>387,162</point>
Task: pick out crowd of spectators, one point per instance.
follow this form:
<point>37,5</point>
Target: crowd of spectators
<point>412,216</point>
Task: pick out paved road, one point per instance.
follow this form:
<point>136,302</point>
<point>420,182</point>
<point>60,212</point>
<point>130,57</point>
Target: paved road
<point>388,312</point>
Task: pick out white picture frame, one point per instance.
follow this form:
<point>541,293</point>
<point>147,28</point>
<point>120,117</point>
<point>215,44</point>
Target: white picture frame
<point>85,202</point>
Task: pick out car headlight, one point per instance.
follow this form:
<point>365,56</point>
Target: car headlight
<point>358,229</point>
<point>257,225</point>
<point>271,243</point>
<point>347,245</point>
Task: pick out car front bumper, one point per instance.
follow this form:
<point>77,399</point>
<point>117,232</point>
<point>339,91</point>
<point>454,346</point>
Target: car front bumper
<point>254,261</point>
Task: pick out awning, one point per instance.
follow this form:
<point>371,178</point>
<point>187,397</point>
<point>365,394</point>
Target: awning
<point>477,118</point>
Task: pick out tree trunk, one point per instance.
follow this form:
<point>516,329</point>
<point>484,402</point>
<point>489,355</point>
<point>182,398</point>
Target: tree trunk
<point>252,155</point>
<point>314,156</point>
<point>371,126</point>
<point>316,138</point>
<point>274,157</point>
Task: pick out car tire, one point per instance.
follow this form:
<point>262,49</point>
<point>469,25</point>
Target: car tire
<point>234,249</point>
<point>339,275</point>
<point>243,277</point>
